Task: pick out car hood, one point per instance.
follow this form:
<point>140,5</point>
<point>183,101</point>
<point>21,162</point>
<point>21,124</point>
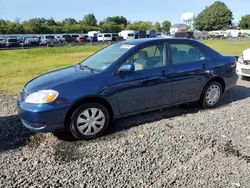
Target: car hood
<point>54,78</point>
<point>246,54</point>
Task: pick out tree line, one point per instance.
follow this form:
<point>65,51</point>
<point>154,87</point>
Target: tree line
<point>214,17</point>
<point>69,25</point>
<point>219,17</point>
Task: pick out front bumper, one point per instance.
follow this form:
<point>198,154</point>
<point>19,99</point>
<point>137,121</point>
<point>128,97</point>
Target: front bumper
<point>243,70</point>
<point>43,117</point>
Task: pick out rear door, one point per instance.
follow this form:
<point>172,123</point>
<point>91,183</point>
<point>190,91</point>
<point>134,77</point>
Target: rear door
<point>189,71</point>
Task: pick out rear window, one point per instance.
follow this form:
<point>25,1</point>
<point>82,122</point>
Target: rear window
<point>107,35</point>
<point>115,35</point>
<point>12,40</point>
<point>75,35</point>
<point>99,35</point>
<point>142,32</point>
<point>49,37</point>
<point>66,36</point>
<point>131,35</point>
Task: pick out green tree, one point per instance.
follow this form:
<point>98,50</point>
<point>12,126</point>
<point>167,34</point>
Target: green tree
<point>69,21</point>
<point>89,19</point>
<point>51,22</point>
<point>3,27</point>
<point>157,26</point>
<point>166,26</point>
<point>245,22</point>
<point>140,25</point>
<point>33,26</point>
<point>110,27</point>
<point>215,17</point>
<point>118,19</point>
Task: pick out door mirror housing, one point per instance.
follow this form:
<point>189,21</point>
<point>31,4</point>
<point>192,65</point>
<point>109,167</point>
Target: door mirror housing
<point>126,68</point>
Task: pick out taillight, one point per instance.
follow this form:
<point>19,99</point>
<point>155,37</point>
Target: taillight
<point>235,63</point>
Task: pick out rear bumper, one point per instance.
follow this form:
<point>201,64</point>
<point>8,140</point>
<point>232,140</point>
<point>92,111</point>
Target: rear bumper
<point>42,118</point>
<point>230,82</point>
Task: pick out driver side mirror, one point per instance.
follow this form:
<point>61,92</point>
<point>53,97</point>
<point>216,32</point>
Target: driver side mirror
<point>126,68</point>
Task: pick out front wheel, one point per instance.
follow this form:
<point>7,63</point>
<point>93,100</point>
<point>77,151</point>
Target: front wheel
<point>89,121</point>
<point>211,95</point>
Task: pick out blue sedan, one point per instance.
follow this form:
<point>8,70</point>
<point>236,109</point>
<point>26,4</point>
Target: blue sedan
<point>123,79</point>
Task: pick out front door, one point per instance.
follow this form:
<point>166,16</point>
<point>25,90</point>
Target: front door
<point>148,86</point>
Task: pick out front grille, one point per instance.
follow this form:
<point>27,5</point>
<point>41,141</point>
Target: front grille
<point>245,71</point>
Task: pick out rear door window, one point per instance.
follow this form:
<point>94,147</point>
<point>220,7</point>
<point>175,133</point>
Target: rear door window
<point>185,53</point>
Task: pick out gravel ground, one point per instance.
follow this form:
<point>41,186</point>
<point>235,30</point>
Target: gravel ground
<point>187,147</point>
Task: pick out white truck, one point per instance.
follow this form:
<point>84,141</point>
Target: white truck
<point>93,33</point>
<point>127,34</point>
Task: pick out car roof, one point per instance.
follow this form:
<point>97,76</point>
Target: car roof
<point>149,40</point>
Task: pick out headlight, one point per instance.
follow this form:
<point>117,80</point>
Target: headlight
<point>241,60</point>
<point>42,96</point>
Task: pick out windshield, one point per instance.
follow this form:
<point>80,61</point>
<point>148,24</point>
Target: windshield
<point>105,57</point>
<point>107,35</point>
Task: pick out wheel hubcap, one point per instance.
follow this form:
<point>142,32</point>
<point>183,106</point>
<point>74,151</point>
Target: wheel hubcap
<point>213,94</point>
<point>90,121</point>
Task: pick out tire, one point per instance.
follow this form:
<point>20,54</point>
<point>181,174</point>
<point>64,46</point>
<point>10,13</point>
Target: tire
<point>85,125</point>
<point>214,89</point>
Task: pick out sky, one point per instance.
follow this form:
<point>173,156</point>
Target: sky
<point>133,10</point>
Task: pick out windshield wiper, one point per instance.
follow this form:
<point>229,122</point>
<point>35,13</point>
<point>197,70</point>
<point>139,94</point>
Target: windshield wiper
<point>86,67</point>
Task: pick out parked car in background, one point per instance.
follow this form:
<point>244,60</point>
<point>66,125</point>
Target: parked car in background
<point>59,38</point>
<point>243,65</point>
<point>115,37</point>
<point>81,39</point>
<point>125,79</point>
<point>184,34</point>
<point>19,39</point>
<point>92,39</point>
<point>74,36</point>
<point>31,41</point>
<point>104,37</point>
<point>127,34</point>
<point>93,33</point>
<point>2,42</point>
<point>48,39</point>
<point>12,42</point>
<point>151,34</point>
<point>68,38</point>
<point>140,34</point>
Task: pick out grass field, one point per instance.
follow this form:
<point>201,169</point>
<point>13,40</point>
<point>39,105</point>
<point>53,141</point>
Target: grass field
<point>19,66</point>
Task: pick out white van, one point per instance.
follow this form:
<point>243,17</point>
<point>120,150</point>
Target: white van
<point>104,37</point>
<point>127,34</point>
<point>93,33</point>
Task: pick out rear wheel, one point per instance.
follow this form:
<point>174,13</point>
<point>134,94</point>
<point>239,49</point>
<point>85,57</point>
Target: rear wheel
<point>211,95</point>
<point>89,121</point>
